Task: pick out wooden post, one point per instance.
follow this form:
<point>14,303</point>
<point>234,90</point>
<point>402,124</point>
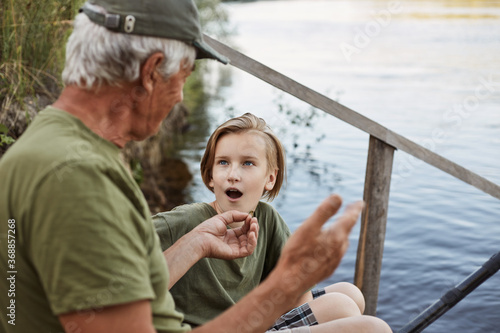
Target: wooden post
<point>373,221</point>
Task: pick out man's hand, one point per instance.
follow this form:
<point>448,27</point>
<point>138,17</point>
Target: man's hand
<point>218,241</point>
<point>313,253</point>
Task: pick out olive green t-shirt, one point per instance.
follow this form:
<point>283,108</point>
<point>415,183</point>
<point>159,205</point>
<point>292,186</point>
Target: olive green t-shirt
<point>83,234</point>
<point>213,285</point>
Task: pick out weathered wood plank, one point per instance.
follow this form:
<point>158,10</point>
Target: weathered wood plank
<point>357,120</point>
<point>374,221</point>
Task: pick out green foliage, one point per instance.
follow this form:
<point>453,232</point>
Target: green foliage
<point>137,171</point>
<point>5,139</point>
<point>33,34</point>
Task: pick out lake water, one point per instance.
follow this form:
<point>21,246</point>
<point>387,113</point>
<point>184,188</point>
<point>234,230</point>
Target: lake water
<point>418,68</point>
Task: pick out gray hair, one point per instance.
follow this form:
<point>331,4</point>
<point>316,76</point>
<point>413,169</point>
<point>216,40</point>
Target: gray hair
<point>95,55</point>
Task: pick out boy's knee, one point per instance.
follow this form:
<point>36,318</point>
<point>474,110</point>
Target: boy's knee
<point>374,324</point>
<point>332,306</point>
<point>350,290</point>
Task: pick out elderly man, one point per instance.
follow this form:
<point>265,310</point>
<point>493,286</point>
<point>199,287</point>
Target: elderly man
<point>79,250</point>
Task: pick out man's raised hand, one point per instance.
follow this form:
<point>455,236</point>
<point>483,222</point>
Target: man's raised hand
<point>313,253</point>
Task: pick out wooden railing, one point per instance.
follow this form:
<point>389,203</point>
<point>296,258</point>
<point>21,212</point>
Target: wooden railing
<point>382,144</point>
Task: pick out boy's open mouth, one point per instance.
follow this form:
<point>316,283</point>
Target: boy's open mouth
<point>233,193</point>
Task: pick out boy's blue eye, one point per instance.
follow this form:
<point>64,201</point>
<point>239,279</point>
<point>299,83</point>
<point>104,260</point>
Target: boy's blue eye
<point>248,163</point>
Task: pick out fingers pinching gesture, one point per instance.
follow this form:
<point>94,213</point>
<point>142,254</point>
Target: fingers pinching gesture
<point>219,241</point>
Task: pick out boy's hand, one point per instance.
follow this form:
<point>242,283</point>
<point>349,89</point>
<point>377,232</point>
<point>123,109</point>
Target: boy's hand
<point>212,239</point>
<point>220,242</point>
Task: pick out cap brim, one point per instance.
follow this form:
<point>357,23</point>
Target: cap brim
<point>204,51</point>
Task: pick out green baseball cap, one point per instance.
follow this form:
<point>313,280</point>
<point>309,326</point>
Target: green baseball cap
<point>173,19</point>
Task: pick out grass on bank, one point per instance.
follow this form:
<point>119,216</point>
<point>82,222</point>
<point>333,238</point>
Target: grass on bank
<point>33,34</point>
<point>32,38</point>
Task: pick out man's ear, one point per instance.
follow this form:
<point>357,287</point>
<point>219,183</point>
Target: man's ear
<point>148,70</point>
<point>271,180</point>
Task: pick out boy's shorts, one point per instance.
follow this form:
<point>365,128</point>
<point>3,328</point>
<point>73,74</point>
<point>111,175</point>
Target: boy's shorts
<point>303,329</point>
<point>299,319</point>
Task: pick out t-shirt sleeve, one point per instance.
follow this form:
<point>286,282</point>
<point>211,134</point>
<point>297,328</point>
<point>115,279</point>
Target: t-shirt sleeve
<point>163,230</point>
<point>90,242</point>
<point>172,225</point>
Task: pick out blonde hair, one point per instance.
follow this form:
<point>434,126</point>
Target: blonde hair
<point>275,152</point>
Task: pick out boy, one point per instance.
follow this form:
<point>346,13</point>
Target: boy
<point>244,162</point>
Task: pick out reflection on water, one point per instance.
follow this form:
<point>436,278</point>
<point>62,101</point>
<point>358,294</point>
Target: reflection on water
<point>428,70</point>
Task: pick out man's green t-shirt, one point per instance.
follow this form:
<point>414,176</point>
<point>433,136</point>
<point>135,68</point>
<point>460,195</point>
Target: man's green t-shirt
<point>81,229</point>
<point>211,286</point>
